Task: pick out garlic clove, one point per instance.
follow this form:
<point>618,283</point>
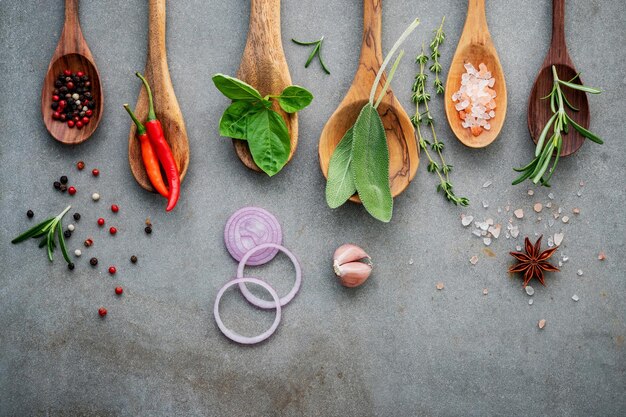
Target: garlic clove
<point>352,274</point>
<point>349,253</point>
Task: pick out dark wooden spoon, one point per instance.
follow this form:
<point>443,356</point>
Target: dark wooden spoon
<point>539,110</point>
<point>71,53</point>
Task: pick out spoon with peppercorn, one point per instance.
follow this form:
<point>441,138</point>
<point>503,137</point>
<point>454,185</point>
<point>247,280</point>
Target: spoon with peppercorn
<point>71,97</point>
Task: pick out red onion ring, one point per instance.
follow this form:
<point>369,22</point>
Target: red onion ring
<point>236,336</point>
<point>257,301</point>
<point>249,227</point>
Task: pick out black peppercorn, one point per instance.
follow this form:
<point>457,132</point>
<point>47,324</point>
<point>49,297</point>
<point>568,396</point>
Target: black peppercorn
<point>77,216</point>
<point>30,214</point>
<point>63,179</point>
<point>148,229</point>
<point>70,266</point>
<point>93,261</point>
<point>58,83</point>
<point>57,185</point>
<point>54,105</point>
<point>67,233</point>
<point>133,259</point>
<point>63,90</point>
<point>63,188</point>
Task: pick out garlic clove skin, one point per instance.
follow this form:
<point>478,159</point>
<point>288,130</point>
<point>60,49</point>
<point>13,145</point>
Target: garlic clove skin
<point>349,253</point>
<point>352,274</point>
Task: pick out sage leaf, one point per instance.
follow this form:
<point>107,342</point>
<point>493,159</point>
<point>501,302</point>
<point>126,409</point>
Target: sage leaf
<point>269,141</point>
<point>234,121</point>
<point>235,89</point>
<point>340,185</point>
<point>294,98</point>
<point>370,164</point>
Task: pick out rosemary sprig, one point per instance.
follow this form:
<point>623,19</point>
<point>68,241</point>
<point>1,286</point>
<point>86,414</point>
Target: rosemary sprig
<point>421,96</point>
<point>560,121</point>
<point>317,50</point>
<point>47,231</point>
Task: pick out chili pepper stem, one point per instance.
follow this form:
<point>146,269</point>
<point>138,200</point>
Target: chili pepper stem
<point>151,113</point>
<point>141,129</point>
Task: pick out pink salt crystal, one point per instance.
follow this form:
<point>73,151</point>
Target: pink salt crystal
<point>601,256</point>
<point>439,286</point>
<point>541,324</point>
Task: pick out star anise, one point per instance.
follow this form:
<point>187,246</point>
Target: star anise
<point>533,263</point>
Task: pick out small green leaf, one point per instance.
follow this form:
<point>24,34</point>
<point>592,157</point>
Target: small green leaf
<point>586,133</point>
<point>370,164</point>
<point>294,98</point>
<point>50,242</point>
<point>33,231</point>
<point>542,136</point>
<point>234,121</point>
<point>340,185</point>
<point>269,141</point>
<point>580,87</point>
<point>62,242</point>
<point>235,89</point>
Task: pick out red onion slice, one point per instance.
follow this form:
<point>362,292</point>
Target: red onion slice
<point>251,297</point>
<point>236,336</point>
<point>248,228</point>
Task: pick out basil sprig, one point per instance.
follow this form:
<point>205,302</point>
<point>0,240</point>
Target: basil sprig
<point>360,162</point>
<point>250,117</point>
<point>48,230</point>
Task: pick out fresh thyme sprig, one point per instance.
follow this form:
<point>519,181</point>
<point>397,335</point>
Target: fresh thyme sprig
<point>560,121</point>
<point>317,50</point>
<point>48,229</point>
<point>422,97</point>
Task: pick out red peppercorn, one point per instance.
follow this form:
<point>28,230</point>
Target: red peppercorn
<point>89,113</point>
<point>70,123</point>
<point>80,74</point>
<point>70,85</point>
<point>95,172</point>
<point>79,124</point>
<point>62,104</point>
<point>102,311</point>
<point>85,120</point>
<point>76,118</point>
<point>55,98</point>
<point>67,72</point>
<point>63,117</point>
<point>112,270</point>
<point>115,208</point>
<point>71,190</point>
<point>112,230</point>
<point>88,242</point>
<point>56,115</point>
<point>85,102</point>
<point>80,165</point>
<point>100,221</point>
<point>119,290</point>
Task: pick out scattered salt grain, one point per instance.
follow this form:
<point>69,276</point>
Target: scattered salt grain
<point>560,263</point>
<point>581,183</point>
<point>486,184</point>
<point>579,193</point>
<point>580,273</point>
<point>550,242</point>
<point>601,256</point>
<point>576,211</point>
<point>565,258</point>
<point>551,196</point>
<point>538,207</point>
<point>485,291</point>
<point>514,233</point>
<point>541,324</point>
<point>467,220</point>
<point>531,192</point>
<point>558,238</point>
<point>518,248</point>
<point>439,286</point>
<point>474,260</point>
<point>550,222</point>
<point>575,297</point>
<point>565,219</point>
<point>519,213</point>
<point>489,221</point>
<point>529,290</point>
<point>530,302</point>
<point>495,230</point>
<point>549,204</point>
<point>411,261</point>
<point>476,233</point>
<point>484,226</point>
<point>485,204</point>
<point>487,241</point>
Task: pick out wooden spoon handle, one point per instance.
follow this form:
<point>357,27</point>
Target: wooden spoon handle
<point>157,55</point>
<point>72,39</point>
<point>476,23</point>
<point>264,26</point>
<point>371,45</point>
<point>558,23</point>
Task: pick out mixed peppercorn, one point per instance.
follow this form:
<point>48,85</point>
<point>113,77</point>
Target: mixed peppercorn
<point>72,100</point>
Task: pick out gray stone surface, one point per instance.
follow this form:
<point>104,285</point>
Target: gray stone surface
<point>396,346</point>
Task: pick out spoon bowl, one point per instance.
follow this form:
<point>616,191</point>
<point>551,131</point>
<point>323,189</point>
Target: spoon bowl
<point>539,109</point>
<point>476,47</point>
<point>400,133</point>
<point>71,53</point>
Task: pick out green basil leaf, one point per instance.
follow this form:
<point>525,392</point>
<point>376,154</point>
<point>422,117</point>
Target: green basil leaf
<point>235,89</point>
<point>269,141</point>
<point>340,185</point>
<point>294,98</point>
<point>234,121</point>
<point>370,164</point>
<point>33,231</point>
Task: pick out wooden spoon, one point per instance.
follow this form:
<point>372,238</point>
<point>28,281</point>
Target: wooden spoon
<point>539,110</point>
<point>165,103</point>
<point>475,47</point>
<point>71,53</point>
<point>403,154</point>
<point>263,66</point>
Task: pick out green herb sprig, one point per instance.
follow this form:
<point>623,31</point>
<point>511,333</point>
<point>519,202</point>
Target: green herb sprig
<point>360,162</point>
<point>560,122</point>
<point>251,118</point>
<point>47,230</point>
<point>422,97</point>
<point>317,50</point>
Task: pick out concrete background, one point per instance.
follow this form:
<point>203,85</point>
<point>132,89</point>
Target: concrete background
<point>394,347</point>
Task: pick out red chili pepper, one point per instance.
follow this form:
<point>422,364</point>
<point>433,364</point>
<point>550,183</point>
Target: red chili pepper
<point>162,148</point>
<point>150,160</point>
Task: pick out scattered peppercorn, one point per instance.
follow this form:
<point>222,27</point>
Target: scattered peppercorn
<point>80,165</point>
<point>77,216</point>
<point>133,259</point>
<point>89,242</point>
<point>57,185</point>
<point>95,172</point>
<point>102,311</point>
<point>63,188</point>
<point>100,221</point>
<point>30,214</point>
<point>71,190</point>
<point>148,229</point>
<point>112,230</point>
<point>112,270</point>
<point>67,234</point>
<point>93,261</point>
<point>115,208</point>
<point>119,290</point>
<point>70,266</point>
<point>63,179</point>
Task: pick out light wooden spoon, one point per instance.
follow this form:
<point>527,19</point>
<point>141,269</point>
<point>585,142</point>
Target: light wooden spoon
<point>539,110</point>
<point>403,153</point>
<point>165,103</point>
<point>475,47</point>
<point>71,53</point>
<point>263,66</point>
